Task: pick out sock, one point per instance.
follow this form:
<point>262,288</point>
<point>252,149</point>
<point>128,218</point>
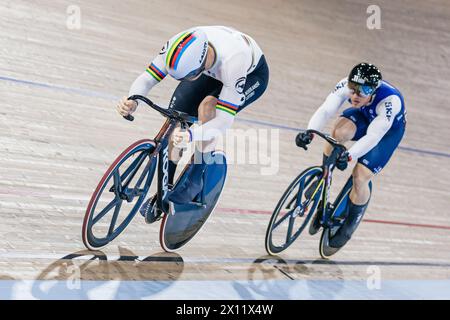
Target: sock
<point>344,234</point>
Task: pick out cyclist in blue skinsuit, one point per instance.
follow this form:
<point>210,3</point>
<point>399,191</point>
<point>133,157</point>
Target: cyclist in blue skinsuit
<point>376,120</point>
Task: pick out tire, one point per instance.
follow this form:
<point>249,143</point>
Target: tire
<point>340,205</point>
<point>324,248</point>
<point>301,217</point>
<point>137,164</point>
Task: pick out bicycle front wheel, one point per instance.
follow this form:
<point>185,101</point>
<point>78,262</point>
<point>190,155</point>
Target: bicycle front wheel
<point>294,210</point>
<point>119,194</point>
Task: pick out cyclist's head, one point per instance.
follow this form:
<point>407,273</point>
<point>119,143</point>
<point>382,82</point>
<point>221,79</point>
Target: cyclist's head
<point>364,79</point>
<point>186,54</point>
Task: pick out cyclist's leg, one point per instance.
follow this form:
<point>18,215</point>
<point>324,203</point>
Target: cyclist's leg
<point>255,85</point>
<point>186,98</point>
<point>351,125</point>
<point>207,112</point>
<point>356,207</point>
<point>368,166</point>
<point>360,192</point>
<point>194,98</point>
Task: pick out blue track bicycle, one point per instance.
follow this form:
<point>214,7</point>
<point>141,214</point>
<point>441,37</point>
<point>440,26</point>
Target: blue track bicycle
<point>308,196</point>
<point>125,185</point>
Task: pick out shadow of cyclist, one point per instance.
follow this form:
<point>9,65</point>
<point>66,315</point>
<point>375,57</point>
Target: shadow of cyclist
<point>127,277</point>
<point>318,271</point>
<point>263,276</point>
<point>272,277</point>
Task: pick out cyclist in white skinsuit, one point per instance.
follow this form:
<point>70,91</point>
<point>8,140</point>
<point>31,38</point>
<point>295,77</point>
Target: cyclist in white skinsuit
<point>221,71</point>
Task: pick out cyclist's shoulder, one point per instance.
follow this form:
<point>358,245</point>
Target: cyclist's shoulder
<point>387,88</point>
<point>389,105</point>
<point>387,92</point>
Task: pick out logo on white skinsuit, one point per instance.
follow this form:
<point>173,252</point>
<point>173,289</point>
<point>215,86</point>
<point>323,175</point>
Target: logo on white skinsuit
<point>388,106</point>
<point>240,85</point>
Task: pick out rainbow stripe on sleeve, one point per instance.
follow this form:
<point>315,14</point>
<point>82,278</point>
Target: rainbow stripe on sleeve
<point>227,107</point>
<point>155,72</point>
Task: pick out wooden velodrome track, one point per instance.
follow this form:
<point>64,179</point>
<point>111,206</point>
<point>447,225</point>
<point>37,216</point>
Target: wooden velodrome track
<point>59,131</point>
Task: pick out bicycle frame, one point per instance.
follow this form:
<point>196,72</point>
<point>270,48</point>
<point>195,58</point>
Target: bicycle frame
<point>162,148</point>
<point>327,166</point>
<point>162,152</point>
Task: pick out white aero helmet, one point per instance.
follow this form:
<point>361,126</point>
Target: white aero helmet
<point>186,54</point>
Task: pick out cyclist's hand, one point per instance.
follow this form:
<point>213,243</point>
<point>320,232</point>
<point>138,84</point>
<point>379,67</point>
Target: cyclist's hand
<point>343,160</point>
<point>303,139</point>
<point>181,138</point>
<point>126,107</point>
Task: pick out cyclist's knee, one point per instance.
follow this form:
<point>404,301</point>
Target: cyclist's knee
<point>343,130</point>
<point>361,176</point>
<point>207,109</point>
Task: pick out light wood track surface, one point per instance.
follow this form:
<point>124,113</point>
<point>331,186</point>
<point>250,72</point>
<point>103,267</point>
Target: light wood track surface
<point>59,131</point>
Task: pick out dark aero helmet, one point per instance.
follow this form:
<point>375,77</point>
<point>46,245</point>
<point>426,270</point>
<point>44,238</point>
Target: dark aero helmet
<point>366,76</point>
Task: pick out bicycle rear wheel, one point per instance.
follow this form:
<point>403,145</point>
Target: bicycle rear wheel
<point>293,211</point>
<point>119,194</point>
<point>337,217</point>
<point>178,228</point>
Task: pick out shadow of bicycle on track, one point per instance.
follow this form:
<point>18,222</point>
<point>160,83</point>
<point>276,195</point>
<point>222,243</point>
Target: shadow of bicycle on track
<point>272,277</point>
<point>91,275</point>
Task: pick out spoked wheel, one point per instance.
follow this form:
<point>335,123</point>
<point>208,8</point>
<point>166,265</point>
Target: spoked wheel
<point>293,211</point>
<point>119,194</point>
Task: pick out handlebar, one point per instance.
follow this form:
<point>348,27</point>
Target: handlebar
<point>168,113</point>
<point>338,149</point>
<point>327,138</point>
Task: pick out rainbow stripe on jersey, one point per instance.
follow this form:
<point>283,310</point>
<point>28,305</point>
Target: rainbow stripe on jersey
<point>227,107</point>
<point>178,47</point>
<point>155,72</point>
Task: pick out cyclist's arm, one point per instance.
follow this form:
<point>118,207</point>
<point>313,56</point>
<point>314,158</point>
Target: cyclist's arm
<point>214,127</point>
<point>154,73</point>
<point>228,103</point>
<point>387,109</point>
<point>330,107</point>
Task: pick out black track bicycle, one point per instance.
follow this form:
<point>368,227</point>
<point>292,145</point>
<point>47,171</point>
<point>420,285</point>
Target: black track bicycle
<point>308,196</point>
<point>125,185</point>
